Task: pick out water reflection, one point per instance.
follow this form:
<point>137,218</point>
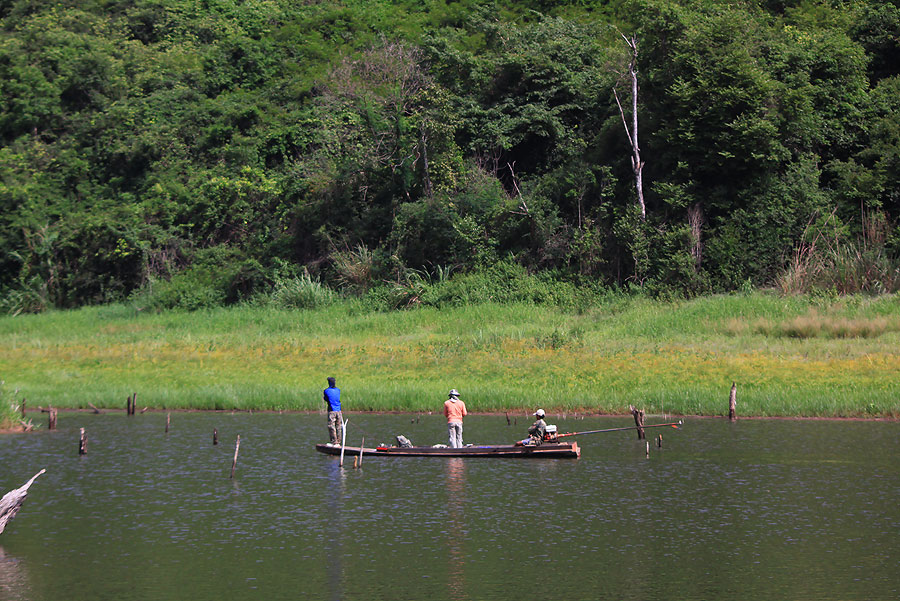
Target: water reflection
<point>13,577</point>
<point>334,530</point>
<point>455,477</point>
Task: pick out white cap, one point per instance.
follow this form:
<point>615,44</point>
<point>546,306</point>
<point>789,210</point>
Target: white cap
<point>454,392</point>
<point>539,413</point>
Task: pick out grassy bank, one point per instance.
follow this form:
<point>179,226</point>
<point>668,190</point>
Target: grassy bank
<point>789,356</point>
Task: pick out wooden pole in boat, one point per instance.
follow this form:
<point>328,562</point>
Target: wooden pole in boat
<point>361,445</point>
<point>343,439</point>
<point>237,447</point>
<point>732,402</point>
<point>82,443</point>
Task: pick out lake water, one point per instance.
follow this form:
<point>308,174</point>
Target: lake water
<point>755,510</point>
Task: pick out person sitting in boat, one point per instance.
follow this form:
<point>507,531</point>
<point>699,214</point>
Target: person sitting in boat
<point>538,429</point>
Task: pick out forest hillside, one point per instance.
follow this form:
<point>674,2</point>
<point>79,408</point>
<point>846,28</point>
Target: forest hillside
<point>185,153</point>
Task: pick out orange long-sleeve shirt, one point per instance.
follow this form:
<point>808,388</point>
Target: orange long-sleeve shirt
<point>455,410</point>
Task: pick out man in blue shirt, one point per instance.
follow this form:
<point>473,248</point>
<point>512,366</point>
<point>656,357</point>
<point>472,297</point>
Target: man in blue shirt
<point>332,396</point>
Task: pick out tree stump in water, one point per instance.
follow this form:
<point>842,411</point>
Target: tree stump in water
<point>732,402</point>
<point>638,415</point>
<point>237,448</point>
<point>12,501</point>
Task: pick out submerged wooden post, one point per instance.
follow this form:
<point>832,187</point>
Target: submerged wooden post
<point>51,424</point>
<point>168,416</point>
<point>508,423</point>
<point>82,443</point>
<point>215,436</point>
<point>648,449</point>
<point>659,441</point>
<point>638,421</point>
<point>732,402</point>
<point>237,447</point>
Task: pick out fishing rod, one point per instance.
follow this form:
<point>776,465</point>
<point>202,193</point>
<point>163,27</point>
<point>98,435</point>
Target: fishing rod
<point>672,424</point>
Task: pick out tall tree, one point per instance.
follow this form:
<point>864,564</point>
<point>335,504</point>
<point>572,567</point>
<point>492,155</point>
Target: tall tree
<point>637,163</point>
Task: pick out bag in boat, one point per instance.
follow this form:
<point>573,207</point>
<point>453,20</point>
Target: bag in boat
<point>404,442</point>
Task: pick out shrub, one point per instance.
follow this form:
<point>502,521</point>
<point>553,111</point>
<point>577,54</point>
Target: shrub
<point>505,282</point>
<point>302,292</point>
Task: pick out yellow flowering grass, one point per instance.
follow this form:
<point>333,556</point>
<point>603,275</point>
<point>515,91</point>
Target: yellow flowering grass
<point>677,358</point>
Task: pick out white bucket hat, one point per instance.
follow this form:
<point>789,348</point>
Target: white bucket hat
<point>539,413</point>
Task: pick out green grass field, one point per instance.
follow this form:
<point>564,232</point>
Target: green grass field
<point>789,357</point>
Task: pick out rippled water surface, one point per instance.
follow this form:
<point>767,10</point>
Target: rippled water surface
<point>756,510</point>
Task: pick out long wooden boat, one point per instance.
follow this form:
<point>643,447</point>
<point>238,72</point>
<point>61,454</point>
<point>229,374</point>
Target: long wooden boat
<point>548,449</point>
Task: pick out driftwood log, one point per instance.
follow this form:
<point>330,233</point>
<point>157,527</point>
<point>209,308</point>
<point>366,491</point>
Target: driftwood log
<point>12,501</point>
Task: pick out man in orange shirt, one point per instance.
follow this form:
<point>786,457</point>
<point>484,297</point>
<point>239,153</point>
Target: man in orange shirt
<point>455,411</point>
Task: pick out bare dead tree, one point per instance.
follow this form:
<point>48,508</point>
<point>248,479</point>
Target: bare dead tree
<point>523,206</point>
<point>637,164</point>
<point>695,221</point>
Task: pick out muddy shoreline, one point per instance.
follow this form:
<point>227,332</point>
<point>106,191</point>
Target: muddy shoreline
<point>516,413</point>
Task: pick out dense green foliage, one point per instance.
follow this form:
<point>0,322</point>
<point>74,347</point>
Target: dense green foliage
<point>191,154</point>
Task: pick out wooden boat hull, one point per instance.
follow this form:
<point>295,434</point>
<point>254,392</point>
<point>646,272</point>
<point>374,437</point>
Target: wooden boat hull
<point>561,449</point>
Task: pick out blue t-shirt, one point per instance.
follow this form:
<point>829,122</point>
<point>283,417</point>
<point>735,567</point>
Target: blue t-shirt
<point>333,396</point>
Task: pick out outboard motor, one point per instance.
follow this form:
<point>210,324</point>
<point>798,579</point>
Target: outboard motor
<point>551,434</point>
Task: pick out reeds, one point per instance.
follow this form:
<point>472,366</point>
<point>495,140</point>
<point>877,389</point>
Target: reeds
<point>832,263</point>
<point>814,325</point>
<point>11,411</point>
